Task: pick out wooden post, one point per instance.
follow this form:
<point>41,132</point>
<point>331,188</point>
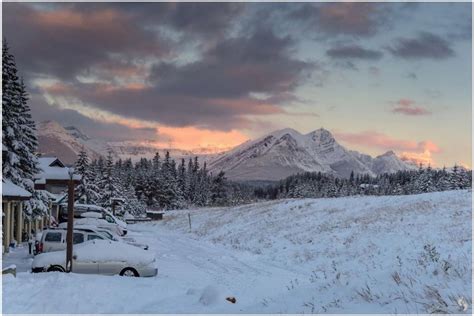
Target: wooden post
<point>6,228</point>
<point>12,221</point>
<point>70,224</point>
<point>19,223</point>
<point>189,219</point>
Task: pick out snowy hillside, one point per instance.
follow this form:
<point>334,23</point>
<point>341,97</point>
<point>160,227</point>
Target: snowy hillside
<point>55,140</point>
<point>390,254</point>
<point>286,152</point>
<point>397,254</point>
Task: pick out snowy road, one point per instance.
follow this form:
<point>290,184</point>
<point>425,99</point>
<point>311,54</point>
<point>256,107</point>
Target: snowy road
<point>398,254</point>
<point>193,277</point>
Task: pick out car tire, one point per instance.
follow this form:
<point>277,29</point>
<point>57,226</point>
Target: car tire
<point>55,269</point>
<point>129,272</point>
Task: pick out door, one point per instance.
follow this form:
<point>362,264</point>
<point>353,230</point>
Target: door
<point>79,264</point>
<point>111,267</point>
<point>54,241</point>
<point>85,267</point>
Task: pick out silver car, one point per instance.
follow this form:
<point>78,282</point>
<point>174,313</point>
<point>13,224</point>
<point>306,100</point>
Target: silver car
<point>55,239</point>
<point>104,257</point>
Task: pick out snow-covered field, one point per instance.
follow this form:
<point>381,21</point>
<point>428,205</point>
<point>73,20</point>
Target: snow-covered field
<point>394,254</point>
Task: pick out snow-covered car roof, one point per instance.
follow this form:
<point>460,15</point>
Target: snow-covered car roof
<point>88,221</point>
<point>98,251</point>
<point>91,215</point>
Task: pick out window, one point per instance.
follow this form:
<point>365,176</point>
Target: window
<point>109,219</point>
<point>92,237</point>
<point>107,234</point>
<point>53,237</point>
<point>78,238</point>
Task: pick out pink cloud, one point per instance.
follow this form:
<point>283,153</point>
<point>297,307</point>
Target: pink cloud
<point>407,107</point>
<point>417,152</point>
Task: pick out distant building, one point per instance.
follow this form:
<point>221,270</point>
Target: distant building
<point>54,179</point>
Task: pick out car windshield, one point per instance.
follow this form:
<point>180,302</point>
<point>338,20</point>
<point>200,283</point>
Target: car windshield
<point>107,234</point>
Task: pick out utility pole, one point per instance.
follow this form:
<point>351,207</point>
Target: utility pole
<point>70,220</point>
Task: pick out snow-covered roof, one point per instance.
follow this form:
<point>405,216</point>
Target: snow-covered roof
<point>46,161</point>
<point>53,171</point>
<point>11,189</point>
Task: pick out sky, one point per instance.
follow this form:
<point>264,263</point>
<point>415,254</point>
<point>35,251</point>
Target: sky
<point>379,76</point>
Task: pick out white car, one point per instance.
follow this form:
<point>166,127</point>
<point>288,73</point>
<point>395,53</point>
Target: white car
<point>55,239</point>
<point>80,209</point>
<point>97,222</point>
<point>100,257</point>
<point>110,235</point>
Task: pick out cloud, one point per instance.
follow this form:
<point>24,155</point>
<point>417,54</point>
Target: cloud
<point>410,150</point>
<point>408,107</point>
<point>215,92</point>
<point>94,128</point>
<point>425,45</point>
<point>425,157</point>
<point>374,71</point>
<point>354,52</point>
<point>64,41</point>
<point>343,18</point>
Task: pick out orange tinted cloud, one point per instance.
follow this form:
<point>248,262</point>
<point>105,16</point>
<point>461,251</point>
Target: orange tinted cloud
<point>186,138</point>
<point>424,157</point>
<point>417,152</point>
<point>75,20</point>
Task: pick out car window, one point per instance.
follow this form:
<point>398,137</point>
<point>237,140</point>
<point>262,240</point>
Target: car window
<point>109,219</point>
<point>106,233</point>
<point>53,237</point>
<point>78,238</point>
<point>93,236</point>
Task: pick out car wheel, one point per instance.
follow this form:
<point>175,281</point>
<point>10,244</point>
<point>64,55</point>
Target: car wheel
<point>55,269</point>
<point>129,272</point>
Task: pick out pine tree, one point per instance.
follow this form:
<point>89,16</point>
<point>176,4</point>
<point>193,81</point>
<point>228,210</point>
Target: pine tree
<point>218,190</point>
<point>19,138</point>
<point>108,183</point>
<point>87,191</point>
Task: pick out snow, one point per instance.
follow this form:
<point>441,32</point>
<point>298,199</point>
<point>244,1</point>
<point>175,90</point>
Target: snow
<point>97,251</point>
<point>286,152</point>
<point>390,254</point>
<point>10,189</point>
<point>52,173</point>
<point>91,215</point>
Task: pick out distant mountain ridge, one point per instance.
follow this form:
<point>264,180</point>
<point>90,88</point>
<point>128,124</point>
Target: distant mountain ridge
<point>67,142</point>
<point>271,157</point>
<point>286,152</point>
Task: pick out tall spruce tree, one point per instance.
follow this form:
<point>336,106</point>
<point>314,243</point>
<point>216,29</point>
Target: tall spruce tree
<point>19,138</point>
<point>86,191</point>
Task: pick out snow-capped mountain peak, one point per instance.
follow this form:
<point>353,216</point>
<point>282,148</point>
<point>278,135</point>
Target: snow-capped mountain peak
<point>285,152</point>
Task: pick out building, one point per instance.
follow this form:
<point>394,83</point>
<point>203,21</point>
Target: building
<point>54,179</point>
<point>13,223</point>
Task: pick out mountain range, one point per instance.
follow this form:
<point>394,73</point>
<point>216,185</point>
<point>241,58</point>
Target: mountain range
<point>271,157</point>
<point>286,152</point>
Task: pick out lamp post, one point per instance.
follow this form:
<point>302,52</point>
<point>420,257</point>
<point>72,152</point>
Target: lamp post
<point>70,220</point>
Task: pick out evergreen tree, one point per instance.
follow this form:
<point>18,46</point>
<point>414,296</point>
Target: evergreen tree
<point>19,138</point>
<point>86,191</point>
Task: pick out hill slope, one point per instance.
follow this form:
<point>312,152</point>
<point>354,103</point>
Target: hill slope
<point>389,254</point>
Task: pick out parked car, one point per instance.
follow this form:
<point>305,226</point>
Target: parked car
<point>110,235</point>
<point>100,257</point>
<point>97,222</point>
<point>55,239</point>
<point>81,209</point>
